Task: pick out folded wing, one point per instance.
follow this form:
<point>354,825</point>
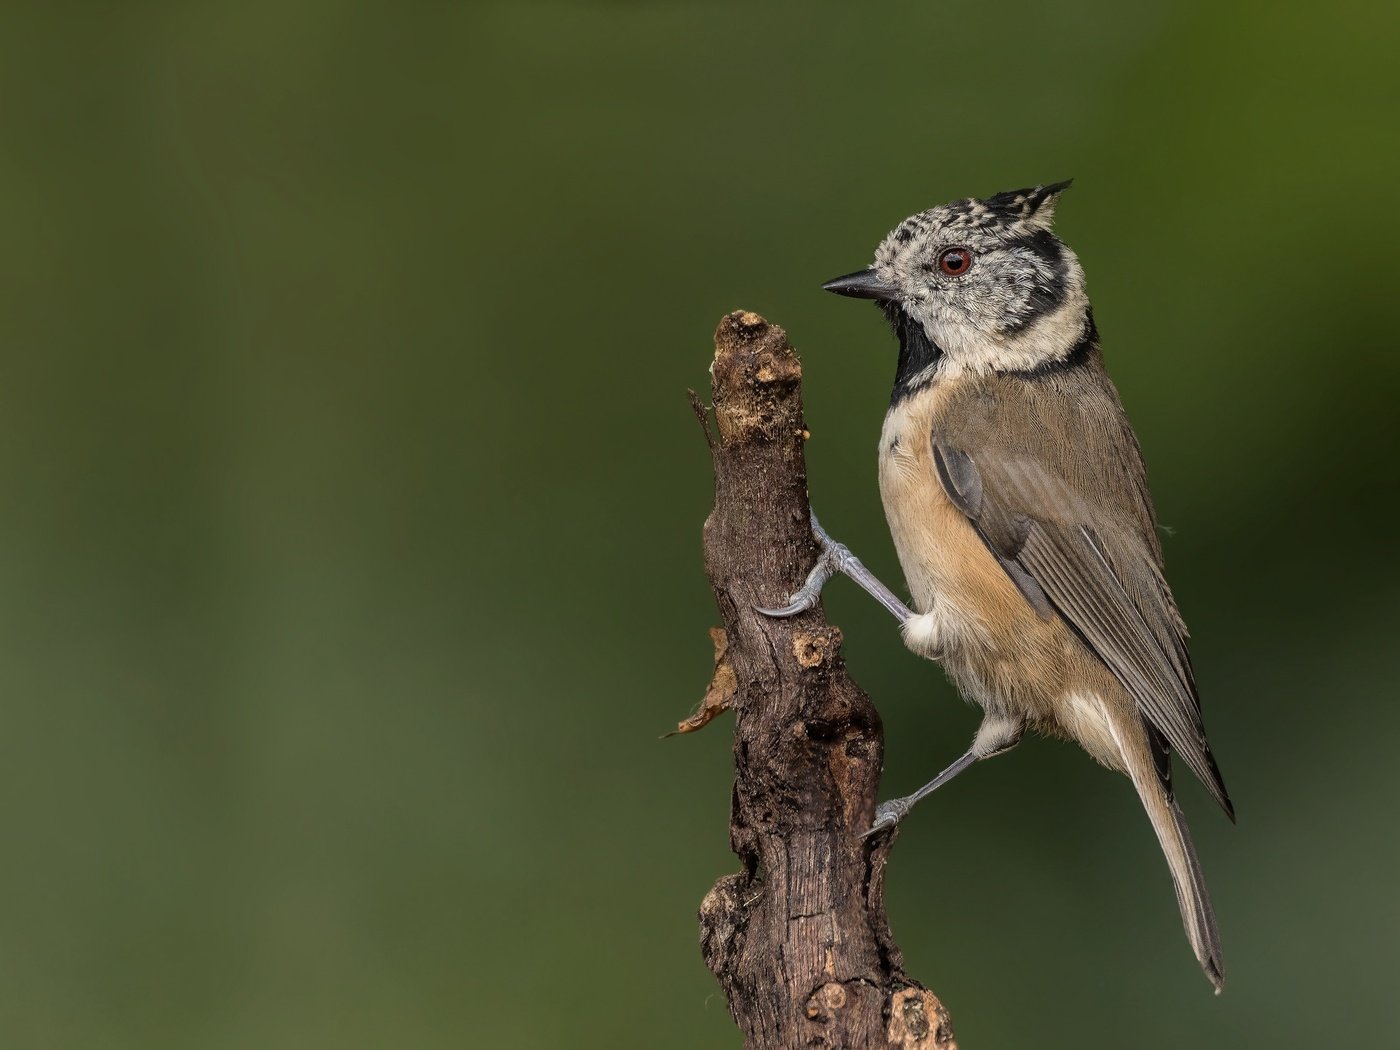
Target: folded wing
<point>1075,554</point>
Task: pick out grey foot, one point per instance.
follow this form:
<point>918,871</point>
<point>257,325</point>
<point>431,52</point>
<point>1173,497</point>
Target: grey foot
<point>835,558</point>
<point>887,815</point>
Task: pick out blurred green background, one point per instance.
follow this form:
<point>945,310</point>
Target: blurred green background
<point>349,552</point>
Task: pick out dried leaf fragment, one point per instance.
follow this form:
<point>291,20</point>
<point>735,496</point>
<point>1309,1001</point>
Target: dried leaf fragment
<point>719,696</point>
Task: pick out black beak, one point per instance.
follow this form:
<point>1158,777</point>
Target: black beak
<point>863,284</point>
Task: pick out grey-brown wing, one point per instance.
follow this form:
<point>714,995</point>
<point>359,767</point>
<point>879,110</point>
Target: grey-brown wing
<point>1096,572</point>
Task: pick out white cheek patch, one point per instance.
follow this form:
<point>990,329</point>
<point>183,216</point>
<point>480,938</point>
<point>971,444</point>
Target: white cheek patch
<point>966,327</point>
<point>1049,338</point>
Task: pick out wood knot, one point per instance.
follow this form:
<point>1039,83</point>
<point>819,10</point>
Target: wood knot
<point>918,1021</point>
<point>821,645</point>
<point>722,923</point>
<point>778,370</point>
<point>741,327</point>
<point>826,1000</point>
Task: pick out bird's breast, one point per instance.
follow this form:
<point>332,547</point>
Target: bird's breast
<point>945,562</point>
<point>978,624</point>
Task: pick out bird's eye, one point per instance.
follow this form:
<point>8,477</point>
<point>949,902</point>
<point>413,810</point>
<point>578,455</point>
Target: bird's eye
<point>955,261</point>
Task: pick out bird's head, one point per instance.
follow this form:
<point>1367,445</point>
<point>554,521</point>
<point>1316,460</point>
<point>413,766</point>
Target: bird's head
<point>985,282</point>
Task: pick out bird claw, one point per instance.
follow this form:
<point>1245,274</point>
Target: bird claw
<point>806,596</point>
<point>887,817</point>
<point>787,610</point>
<point>834,558</point>
<point>837,558</point>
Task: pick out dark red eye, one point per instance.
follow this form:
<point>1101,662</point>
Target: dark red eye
<point>955,261</point>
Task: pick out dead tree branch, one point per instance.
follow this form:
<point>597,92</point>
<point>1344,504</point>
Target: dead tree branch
<point>798,939</point>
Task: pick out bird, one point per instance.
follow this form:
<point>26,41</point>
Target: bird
<point>1017,500</point>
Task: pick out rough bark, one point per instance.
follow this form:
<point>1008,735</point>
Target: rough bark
<point>798,939</point>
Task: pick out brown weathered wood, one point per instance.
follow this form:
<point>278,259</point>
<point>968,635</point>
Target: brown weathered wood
<point>798,939</point>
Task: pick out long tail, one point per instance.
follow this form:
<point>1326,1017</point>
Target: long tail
<point>1197,914</point>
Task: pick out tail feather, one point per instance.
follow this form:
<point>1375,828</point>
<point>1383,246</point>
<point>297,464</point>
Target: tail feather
<point>1197,913</point>
<point>1143,755</point>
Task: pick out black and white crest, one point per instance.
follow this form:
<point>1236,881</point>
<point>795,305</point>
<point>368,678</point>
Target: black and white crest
<point>1016,212</point>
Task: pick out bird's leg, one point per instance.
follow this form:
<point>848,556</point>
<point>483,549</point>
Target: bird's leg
<point>837,558</point>
<point>997,735</point>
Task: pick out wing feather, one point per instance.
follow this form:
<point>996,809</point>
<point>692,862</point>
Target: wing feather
<point>1063,547</point>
